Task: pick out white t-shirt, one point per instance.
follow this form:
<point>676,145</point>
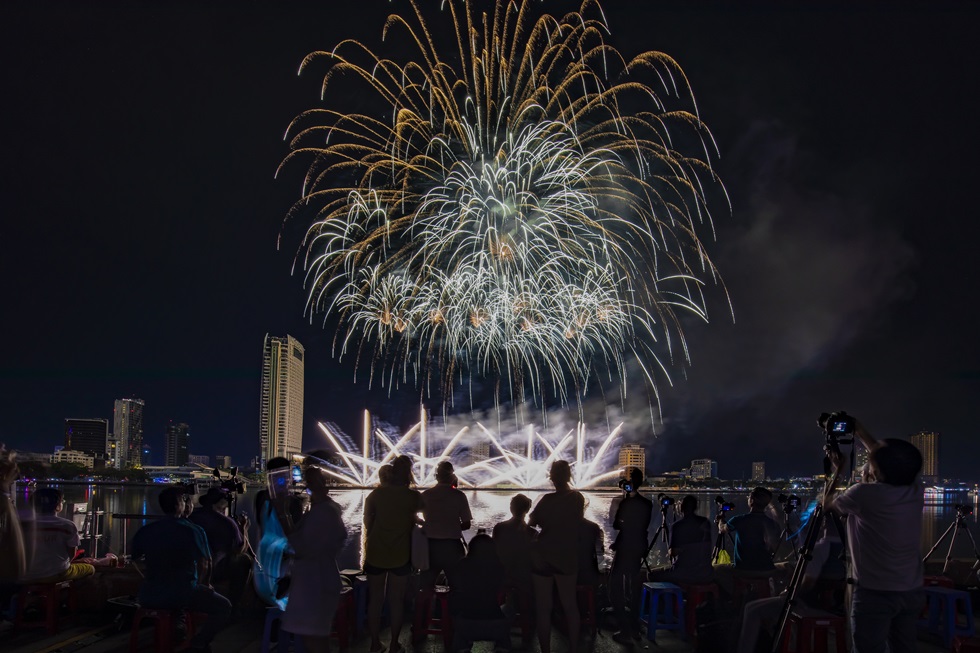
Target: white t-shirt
<point>444,508</point>
<point>884,530</point>
<point>55,539</point>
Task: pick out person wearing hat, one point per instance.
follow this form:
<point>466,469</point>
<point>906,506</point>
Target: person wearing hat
<point>227,539</point>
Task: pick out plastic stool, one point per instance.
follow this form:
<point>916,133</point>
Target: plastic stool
<point>694,595</point>
<point>164,621</point>
<point>426,623</point>
<point>808,631</point>
<point>673,612</point>
<point>944,606</point>
<point>940,581</point>
<point>272,616</point>
<point>50,596</point>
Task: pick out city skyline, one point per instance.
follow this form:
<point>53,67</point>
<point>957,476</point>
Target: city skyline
<point>846,254</point>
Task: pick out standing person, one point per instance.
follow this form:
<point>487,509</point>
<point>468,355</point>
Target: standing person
<point>227,539</point>
<point>56,542</point>
<point>446,512</point>
<point>689,547</point>
<point>315,589</point>
<point>389,516</point>
<point>884,527</point>
<point>14,555</point>
<point>271,573</point>
<point>555,561</point>
<point>178,564</point>
<point>632,521</point>
<point>514,541</point>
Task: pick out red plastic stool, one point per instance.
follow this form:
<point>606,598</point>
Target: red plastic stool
<point>343,619</point>
<point>49,595</point>
<point>585,595</point>
<point>164,621</point>
<point>807,631</point>
<point>938,581</point>
<point>694,595</point>
<point>426,623</point>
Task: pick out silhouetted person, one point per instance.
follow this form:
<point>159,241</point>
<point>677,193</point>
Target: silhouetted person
<point>555,561</point>
<point>474,604</point>
<point>389,516</point>
<point>314,592</point>
<point>632,522</point>
<point>447,514</point>
<point>227,540</point>
<point>178,565</point>
<point>514,541</point>
<point>884,527</point>
<point>689,547</point>
<point>271,571</point>
<point>15,555</point>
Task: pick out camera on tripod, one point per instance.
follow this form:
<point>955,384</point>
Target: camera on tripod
<point>232,484</point>
<point>789,503</point>
<point>724,506</point>
<point>964,509</point>
<point>838,428</point>
<point>665,501</point>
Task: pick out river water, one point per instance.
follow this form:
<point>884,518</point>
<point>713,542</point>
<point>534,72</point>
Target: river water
<point>488,508</point>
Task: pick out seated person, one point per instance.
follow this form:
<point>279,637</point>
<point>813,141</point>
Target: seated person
<point>227,540</point>
<point>825,568</point>
<point>177,568</point>
<point>473,601</point>
<point>756,538</point>
<point>56,542</point>
<point>689,548</point>
<point>591,549</point>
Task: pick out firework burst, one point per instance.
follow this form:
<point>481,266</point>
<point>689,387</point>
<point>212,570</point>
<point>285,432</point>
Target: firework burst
<point>517,207</point>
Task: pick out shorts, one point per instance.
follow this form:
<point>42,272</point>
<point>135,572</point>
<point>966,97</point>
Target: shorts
<point>403,570</point>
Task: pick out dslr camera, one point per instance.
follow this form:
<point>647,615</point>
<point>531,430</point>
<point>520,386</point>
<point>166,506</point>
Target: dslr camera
<point>232,484</point>
<point>789,503</point>
<point>964,509</point>
<point>665,501</point>
<point>625,485</point>
<point>724,506</point>
<point>837,427</point>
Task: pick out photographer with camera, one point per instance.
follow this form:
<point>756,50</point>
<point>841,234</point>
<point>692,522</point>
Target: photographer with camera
<point>632,520</point>
<point>756,537</point>
<point>689,548</point>
<point>884,528</point>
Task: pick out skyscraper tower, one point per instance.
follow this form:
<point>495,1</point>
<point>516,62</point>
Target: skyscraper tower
<point>176,445</point>
<point>759,472</point>
<point>127,427</point>
<point>633,455</point>
<point>281,409</point>
<point>927,443</point>
<point>88,435</point>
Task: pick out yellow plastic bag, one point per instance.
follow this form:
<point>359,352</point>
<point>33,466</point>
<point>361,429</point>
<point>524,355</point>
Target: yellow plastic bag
<point>724,558</point>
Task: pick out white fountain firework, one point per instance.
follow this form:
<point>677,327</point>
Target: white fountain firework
<point>525,215</point>
<point>525,466</point>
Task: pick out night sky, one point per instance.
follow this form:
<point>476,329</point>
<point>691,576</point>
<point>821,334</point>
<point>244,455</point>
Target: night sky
<point>140,221</point>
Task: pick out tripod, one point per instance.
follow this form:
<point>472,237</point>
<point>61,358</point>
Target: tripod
<point>954,528</point>
<point>784,536</point>
<point>663,533</point>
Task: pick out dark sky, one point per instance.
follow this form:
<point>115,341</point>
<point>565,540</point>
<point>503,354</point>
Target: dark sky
<point>140,220</point>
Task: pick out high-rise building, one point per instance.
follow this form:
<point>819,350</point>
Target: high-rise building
<point>175,451</point>
<point>633,455</point>
<point>928,444</point>
<point>112,452</point>
<point>281,410</point>
<point>860,460</point>
<point>88,435</point>
<point>702,468</point>
<point>127,427</point>
<point>759,472</point>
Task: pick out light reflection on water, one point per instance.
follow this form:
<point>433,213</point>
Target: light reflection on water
<point>488,507</point>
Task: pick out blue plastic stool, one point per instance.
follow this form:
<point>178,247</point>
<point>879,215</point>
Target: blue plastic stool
<point>944,605</point>
<point>272,615</point>
<point>672,617</point>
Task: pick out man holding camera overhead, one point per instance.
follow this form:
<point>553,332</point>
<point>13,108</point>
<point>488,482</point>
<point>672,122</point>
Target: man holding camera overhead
<point>884,527</point>
<point>632,520</point>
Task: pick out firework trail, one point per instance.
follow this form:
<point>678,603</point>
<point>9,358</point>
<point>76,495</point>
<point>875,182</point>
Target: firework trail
<point>517,207</point>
